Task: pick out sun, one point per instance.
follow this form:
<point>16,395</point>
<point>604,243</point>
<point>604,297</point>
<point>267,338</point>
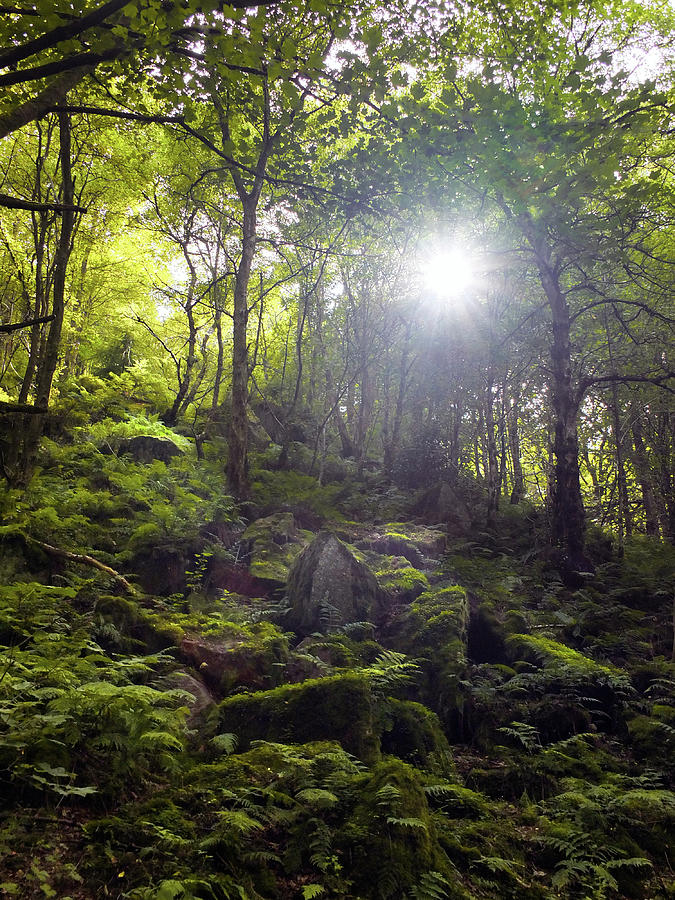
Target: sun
<point>449,274</point>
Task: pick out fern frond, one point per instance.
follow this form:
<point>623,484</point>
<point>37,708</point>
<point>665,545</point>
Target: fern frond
<point>407,823</point>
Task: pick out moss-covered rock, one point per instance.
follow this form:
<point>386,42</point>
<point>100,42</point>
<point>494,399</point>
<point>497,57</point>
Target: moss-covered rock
<point>145,448</point>
<point>403,583</point>
<point>338,708</point>
<point>137,626</point>
<point>273,543</point>
<point>433,631</point>
<point>413,733</point>
<point>250,660</point>
<point>329,587</point>
<point>392,835</point>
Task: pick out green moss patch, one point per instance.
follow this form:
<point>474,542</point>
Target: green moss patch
<point>336,708</point>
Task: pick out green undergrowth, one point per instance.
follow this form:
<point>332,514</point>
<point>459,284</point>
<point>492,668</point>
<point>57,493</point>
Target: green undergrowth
<point>496,735</point>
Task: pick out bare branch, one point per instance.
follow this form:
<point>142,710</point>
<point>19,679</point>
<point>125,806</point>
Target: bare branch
<point>17,326</point>
<point>18,203</point>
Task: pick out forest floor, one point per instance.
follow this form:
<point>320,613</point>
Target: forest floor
<point>204,729</point>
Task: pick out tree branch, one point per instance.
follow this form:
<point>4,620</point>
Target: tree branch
<point>18,203</point>
<point>37,106</point>
<point>657,380</point>
<point>17,326</point>
<point>84,560</point>
<point>77,61</point>
<point>60,33</point>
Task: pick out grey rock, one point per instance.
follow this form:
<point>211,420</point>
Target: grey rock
<point>145,447</point>
<point>328,587</point>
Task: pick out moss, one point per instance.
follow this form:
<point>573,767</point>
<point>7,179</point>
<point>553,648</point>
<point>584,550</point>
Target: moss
<point>413,733</point>
<point>336,708</point>
<point>274,543</point>
<point>391,834</point>
<point>432,630</point>
<point>404,583</point>
<point>428,540</point>
<point>138,625</point>
<point>553,653</point>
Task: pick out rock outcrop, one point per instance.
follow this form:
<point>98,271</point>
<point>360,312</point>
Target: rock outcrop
<point>272,544</point>
<point>329,587</point>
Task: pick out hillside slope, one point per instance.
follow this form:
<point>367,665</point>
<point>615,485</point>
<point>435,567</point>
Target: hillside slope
<point>336,691</point>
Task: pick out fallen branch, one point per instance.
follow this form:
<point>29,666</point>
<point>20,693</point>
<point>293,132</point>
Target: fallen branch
<point>84,560</point>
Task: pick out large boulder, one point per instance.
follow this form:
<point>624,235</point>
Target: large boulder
<point>144,448</point>
<point>329,587</point>
<point>337,708</point>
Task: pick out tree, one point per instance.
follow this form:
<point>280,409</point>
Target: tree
<point>561,144</point>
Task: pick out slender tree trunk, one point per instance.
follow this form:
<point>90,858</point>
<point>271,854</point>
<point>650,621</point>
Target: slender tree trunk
<point>493,473</point>
<point>644,477</point>
<point>514,443</point>
<point>317,342</point>
<point>365,410</point>
<point>503,452</point>
<point>482,442</point>
<point>53,342</point>
<point>303,310</point>
<point>237,463</point>
<point>392,448</point>
<point>219,361</point>
<point>185,378</point>
<point>40,307</point>
<point>476,444</point>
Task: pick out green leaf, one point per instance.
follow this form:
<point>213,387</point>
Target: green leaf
<point>312,890</point>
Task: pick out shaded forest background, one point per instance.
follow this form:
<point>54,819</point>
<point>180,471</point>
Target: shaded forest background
<point>231,211</point>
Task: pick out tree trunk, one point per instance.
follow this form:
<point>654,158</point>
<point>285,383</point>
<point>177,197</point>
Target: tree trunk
<point>568,522</point>
<point>514,443</point>
<point>32,427</point>
<point>492,470</point>
<point>219,361</point>
<point>171,415</point>
<point>391,449</point>
<point>237,463</point>
<point>644,477</point>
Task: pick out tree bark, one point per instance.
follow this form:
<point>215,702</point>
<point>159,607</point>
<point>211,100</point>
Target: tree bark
<point>514,443</point>
<point>568,521</point>
<point>237,463</point>
<point>644,477</point>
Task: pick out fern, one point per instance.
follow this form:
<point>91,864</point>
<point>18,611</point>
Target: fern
<point>312,890</point>
<point>389,671</point>
<point>411,822</point>
<point>526,735</point>
<point>432,886</point>
<point>317,798</point>
<point>225,743</point>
